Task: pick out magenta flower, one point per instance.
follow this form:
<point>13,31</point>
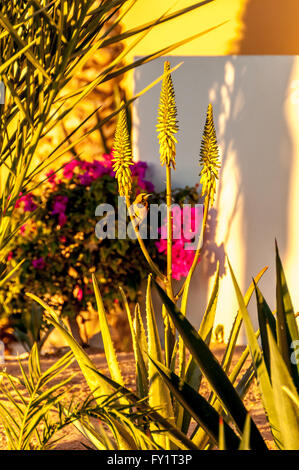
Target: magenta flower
<point>78,293</point>
<point>182,258</point>
<point>139,169</point>
<point>10,256</point>
<point>146,186</point>
<point>93,171</point>
<point>28,203</point>
<point>62,218</point>
<point>68,171</point>
<point>85,179</point>
<point>107,160</point>
<point>51,175</point>
<point>59,208</point>
<point>22,229</point>
<point>39,263</point>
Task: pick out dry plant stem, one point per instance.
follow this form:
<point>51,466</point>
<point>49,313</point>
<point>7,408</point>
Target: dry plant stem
<point>151,263</point>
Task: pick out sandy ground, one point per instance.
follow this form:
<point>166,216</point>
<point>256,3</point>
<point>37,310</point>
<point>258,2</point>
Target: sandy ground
<point>73,440</point>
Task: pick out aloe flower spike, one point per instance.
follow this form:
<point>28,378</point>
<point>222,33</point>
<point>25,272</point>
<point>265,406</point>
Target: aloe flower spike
<point>167,124</point>
<point>209,157</point>
<point>122,155</point>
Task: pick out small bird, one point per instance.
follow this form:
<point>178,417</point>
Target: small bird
<point>139,208</point>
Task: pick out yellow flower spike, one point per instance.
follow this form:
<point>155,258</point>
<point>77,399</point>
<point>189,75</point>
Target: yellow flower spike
<point>122,155</point>
<point>167,123</point>
<point>209,157</point>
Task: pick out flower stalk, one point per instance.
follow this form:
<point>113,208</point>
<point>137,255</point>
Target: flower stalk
<point>167,126</point>
<point>209,159</point>
<point>123,159</point>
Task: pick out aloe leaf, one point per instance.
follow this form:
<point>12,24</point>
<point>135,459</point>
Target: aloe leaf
<point>212,370</point>
<point>245,381</point>
<point>228,355</point>
<point>110,353</point>
<point>245,441</point>
<point>141,370</point>
<point>222,441</point>
<point>159,396</point>
<point>259,364</point>
<point>287,329</point>
<point>140,333</point>
<point>243,385</point>
<point>287,408</point>
<point>231,343</point>
<point>193,373</point>
<point>196,405</point>
<point>265,317</point>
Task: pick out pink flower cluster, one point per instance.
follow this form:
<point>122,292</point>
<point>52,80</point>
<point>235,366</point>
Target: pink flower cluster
<point>184,220</point>
<point>39,263</point>
<point>139,170</point>
<point>87,172</point>
<point>91,170</point>
<point>28,202</point>
<point>59,208</point>
<point>78,293</point>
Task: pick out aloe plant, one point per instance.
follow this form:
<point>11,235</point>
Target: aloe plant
<point>276,365</point>
<point>172,411</point>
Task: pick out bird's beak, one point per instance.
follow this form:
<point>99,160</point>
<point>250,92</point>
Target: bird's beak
<point>147,195</point>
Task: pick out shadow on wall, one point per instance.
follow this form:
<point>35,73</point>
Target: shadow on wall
<point>254,131</point>
<point>269,27</point>
<point>213,253</point>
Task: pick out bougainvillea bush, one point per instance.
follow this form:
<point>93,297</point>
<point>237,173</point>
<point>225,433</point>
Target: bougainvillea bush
<point>61,251</point>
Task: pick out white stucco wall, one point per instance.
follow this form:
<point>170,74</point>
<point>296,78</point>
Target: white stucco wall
<point>256,111</point>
